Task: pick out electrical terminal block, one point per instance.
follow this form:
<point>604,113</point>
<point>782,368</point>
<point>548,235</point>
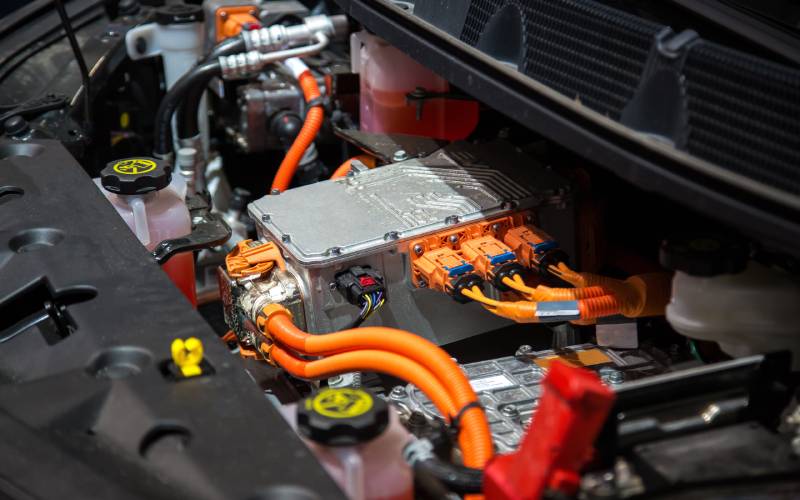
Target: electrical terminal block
<point>534,248</point>
<point>492,259</point>
<point>445,270</point>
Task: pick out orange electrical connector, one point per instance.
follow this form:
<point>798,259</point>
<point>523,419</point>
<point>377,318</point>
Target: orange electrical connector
<point>492,259</point>
<point>534,248</point>
<point>232,19</point>
<point>250,260</point>
<point>445,270</point>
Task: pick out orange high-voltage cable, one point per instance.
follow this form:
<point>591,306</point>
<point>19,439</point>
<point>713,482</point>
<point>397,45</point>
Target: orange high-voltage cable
<point>477,445</point>
<point>308,133</point>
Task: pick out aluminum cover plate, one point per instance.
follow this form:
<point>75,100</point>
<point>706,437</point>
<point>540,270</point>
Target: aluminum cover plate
<point>462,183</point>
<point>515,383</point>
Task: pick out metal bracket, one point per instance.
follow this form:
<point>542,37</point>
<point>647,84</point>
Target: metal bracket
<point>208,230</point>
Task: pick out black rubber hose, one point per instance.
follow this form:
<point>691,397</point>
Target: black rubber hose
<point>460,479</point>
<point>227,47</point>
<point>197,78</point>
<point>187,123</point>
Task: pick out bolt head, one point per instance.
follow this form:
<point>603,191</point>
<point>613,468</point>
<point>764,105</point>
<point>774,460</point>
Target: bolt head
<point>400,155</point>
<point>418,249</point>
<point>422,284</point>
<point>398,392</point>
<point>265,218</point>
<point>495,227</point>
<point>510,411</point>
<point>453,238</point>
<point>524,350</point>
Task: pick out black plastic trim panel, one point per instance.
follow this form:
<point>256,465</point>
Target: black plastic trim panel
<point>86,320</point>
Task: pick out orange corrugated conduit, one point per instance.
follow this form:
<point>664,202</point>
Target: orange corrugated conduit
<point>475,440</point>
<point>639,296</point>
<point>525,311</point>
<point>307,134</point>
<point>543,293</point>
<point>369,360</point>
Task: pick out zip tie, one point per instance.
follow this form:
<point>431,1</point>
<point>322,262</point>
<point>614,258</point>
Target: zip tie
<point>455,422</point>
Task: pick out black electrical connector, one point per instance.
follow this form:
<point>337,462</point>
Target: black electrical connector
<point>363,287</point>
<point>359,281</point>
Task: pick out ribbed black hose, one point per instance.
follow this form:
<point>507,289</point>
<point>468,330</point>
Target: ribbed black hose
<point>187,123</point>
<point>457,478</point>
<point>197,78</point>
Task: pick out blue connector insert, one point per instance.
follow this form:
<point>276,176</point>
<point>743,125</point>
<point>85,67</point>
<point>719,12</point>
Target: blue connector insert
<point>459,270</point>
<point>503,257</point>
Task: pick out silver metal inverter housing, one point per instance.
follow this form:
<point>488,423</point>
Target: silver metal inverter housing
<point>368,219</point>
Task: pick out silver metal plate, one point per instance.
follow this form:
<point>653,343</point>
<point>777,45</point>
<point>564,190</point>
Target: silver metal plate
<point>509,388</point>
<point>374,209</point>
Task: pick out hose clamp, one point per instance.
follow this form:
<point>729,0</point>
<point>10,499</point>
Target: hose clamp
<point>240,66</point>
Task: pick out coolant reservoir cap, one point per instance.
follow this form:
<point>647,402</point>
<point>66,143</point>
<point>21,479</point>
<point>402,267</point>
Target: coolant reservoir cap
<point>179,14</point>
<point>138,175</point>
<point>342,417</point>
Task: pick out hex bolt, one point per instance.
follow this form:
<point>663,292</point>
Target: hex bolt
<point>286,238</point>
<point>611,375</point>
<point>391,235</point>
<point>523,350</point>
<point>265,218</point>
<point>451,219</point>
<point>335,380</point>
<point>616,377</point>
<point>510,411</point>
<point>332,285</point>
<point>400,155</point>
<point>398,392</point>
<point>275,192</point>
<point>333,251</point>
<point>418,249</point>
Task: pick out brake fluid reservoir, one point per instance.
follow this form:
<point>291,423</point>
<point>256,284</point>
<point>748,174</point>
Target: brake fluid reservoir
<point>388,76</point>
<point>152,205</point>
<point>359,441</point>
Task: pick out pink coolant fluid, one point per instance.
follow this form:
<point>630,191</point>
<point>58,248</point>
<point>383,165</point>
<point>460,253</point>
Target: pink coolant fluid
<point>151,202</point>
<point>387,76</point>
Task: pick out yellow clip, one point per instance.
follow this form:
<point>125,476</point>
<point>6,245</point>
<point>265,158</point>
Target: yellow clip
<point>188,355</point>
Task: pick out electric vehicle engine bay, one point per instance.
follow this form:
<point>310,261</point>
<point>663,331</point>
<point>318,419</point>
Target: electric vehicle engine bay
<point>385,249</point>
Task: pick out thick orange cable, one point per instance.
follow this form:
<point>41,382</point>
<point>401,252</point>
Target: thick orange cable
<point>477,448</point>
<point>344,168</point>
<point>638,296</point>
<point>525,311</point>
<point>598,307</point>
<point>369,360</point>
<point>543,293</point>
<point>307,134</point>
